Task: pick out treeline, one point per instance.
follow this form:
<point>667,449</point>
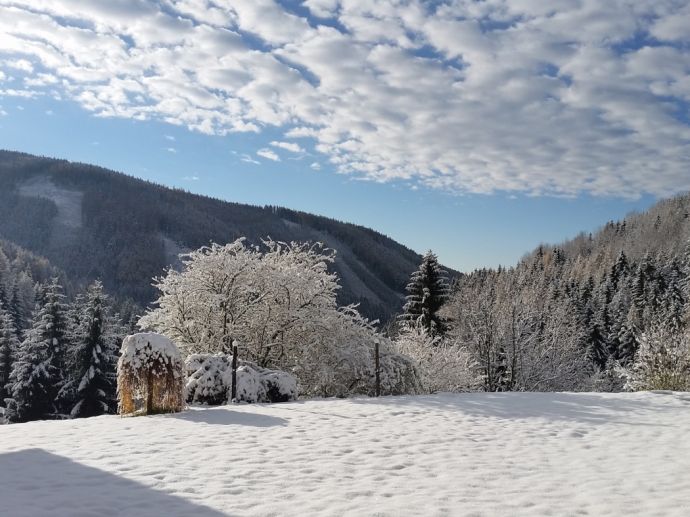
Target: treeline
<point>568,316</point>
<point>130,230</point>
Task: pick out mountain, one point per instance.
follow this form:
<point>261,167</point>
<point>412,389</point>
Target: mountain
<point>95,223</point>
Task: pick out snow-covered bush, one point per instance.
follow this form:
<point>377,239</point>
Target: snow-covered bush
<point>255,384</point>
<point>442,364</point>
<point>205,378</point>
<point>150,375</point>
<point>209,381</point>
<point>398,373</point>
<point>662,362</point>
<point>279,301</point>
<point>339,361</point>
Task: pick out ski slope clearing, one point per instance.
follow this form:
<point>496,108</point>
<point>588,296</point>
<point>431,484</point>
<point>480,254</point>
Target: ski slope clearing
<point>465,454</point>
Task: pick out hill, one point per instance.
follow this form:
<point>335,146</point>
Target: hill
<point>449,454</point>
<point>597,294</point>
<point>95,223</point>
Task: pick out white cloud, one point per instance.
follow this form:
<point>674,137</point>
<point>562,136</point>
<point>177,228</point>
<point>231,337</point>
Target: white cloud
<point>171,150</point>
<point>191,178</point>
<point>248,159</point>
<point>532,96</point>
<point>315,166</point>
<point>19,64</point>
<point>170,137</point>
<point>26,94</point>
<point>322,8</point>
<point>288,146</point>
<point>268,154</point>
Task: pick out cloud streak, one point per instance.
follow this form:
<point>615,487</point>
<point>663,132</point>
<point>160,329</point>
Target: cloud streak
<point>554,97</point>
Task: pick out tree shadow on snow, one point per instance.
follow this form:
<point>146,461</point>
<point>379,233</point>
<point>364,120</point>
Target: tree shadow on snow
<point>223,415</point>
<point>36,482</point>
<point>592,408</point>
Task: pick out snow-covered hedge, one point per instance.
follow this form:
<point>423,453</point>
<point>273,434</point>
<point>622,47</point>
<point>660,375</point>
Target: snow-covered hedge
<point>346,371</point>
<point>209,380</point>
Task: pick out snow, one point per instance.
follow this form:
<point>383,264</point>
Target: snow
<point>461,454</point>
<point>150,347</point>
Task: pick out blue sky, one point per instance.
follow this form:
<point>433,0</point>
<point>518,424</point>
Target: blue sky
<point>477,129</point>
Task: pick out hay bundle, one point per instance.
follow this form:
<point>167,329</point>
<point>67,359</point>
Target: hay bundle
<point>150,375</point>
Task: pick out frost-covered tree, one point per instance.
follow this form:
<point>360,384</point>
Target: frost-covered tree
<point>91,387</point>
<point>278,301</point>
<point>524,334</point>
<point>662,361</point>
<point>9,345</point>
<point>427,291</point>
<point>685,282</point>
<point>37,373</point>
<point>443,365</point>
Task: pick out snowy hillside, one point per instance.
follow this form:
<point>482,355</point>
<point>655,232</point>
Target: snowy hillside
<point>467,454</point>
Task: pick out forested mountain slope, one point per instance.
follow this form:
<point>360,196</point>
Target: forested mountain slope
<point>20,273</point>
<point>95,223</point>
<point>598,293</point>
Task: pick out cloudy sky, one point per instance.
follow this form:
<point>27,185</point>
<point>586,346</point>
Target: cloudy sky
<point>478,128</point>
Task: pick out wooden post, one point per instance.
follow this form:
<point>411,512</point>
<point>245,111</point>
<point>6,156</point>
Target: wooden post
<point>149,393</point>
<point>233,392</point>
<point>377,368</point>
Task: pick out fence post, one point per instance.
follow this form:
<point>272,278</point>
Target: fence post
<point>233,391</point>
<point>377,368</point>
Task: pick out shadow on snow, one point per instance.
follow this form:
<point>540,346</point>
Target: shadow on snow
<point>223,415</point>
<point>36,482</point>
<point>592,408</point>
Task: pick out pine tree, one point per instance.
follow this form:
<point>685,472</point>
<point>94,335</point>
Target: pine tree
<point>37,373</point>
<point>627,339</point>
<point>619,270</point>
<point>9,345</point>
<point>427,291</point>
<point>673,298</point>
<point>95,357</point>
<point>597,346</point>
<point>685,267</point>
<point>16,311</point>
<point>501,371</point>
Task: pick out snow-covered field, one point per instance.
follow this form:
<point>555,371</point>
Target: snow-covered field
<point>469,454</point>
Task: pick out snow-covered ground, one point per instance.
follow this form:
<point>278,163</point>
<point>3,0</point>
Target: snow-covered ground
<point>469,454</point>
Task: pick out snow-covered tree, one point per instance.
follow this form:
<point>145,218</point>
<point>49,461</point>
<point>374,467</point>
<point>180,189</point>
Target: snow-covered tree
<point>37,373</point>
<point>427,291</point>
<point>9,344</point>
<point>523,334</point>
<point>662,361</point>
<point>263,298</point>
<point>92,384</point>
<point>279,302</point>
<point>442,364</point>
<point>685,282</point>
